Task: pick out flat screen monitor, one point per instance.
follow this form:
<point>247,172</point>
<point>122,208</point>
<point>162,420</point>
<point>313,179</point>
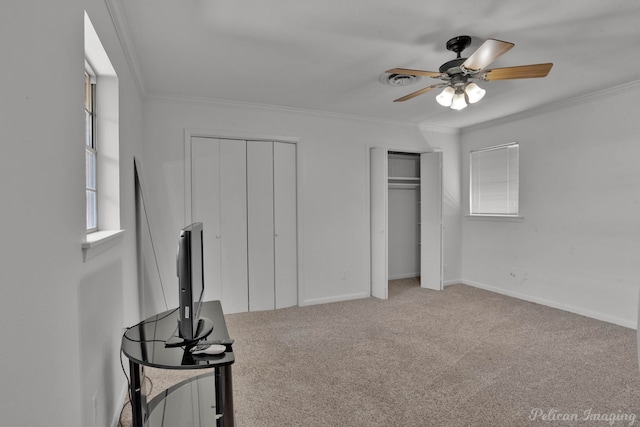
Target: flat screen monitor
<point>191,325</point>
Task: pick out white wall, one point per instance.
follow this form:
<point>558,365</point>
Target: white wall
<point>403,232</point>
<point>42,213</point>
<point>579,241</point>
<point>61,318</point>
<point>108,294</point>
<point>333,159</point>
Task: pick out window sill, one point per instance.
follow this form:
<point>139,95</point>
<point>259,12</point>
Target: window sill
<point>509,218</point>
<point>99,241</point>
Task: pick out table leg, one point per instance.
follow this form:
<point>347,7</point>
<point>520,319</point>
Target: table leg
<point>224,396</point>
<point>138,399</point>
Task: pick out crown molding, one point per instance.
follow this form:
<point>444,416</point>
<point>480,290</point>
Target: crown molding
<point>439,129</point>
<point>121,26</point>
<point>271,107</point>
<point>554,106</point>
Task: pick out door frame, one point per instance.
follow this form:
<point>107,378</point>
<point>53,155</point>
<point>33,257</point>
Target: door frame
<point>250,136</point>
<point>371,237</point>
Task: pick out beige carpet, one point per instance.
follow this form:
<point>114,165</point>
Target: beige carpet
<point>458,357</point>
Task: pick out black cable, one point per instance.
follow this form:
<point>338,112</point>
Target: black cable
<point>150,384</point>
<point>124,335</point>
<point>128,387</point>
<point>128,402</point>
<point>142,341</point>
<point>153,247</point>
<point>146,321</point>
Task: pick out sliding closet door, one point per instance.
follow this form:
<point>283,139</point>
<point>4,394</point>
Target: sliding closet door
<point>272,225</point>
<point>286,224</point>
<point>431,220</point>
<point>379,193</point>
<point>233,220</point>
<point>219,201</point>
<point>260,225</point>
<point>244,192</point>
<point>205,208</point>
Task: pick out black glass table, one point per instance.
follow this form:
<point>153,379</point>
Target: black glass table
<point>205,400</point>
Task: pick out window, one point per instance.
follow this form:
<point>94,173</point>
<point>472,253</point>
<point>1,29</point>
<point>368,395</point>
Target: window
<point>102,147</point>
<point>91,155</point>
<point>495,181</point>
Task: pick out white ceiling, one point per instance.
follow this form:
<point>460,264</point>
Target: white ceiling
<point>328,55</point>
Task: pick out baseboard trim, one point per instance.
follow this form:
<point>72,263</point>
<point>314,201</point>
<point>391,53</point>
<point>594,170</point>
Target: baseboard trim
<point>338,298</point>
<point>553,304</point>
<point>404,276</point>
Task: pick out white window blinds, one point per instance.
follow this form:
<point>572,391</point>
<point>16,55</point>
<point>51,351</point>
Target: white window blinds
<point>495,180</point>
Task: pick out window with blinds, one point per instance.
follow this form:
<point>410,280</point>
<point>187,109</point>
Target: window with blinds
<point>495,180</point>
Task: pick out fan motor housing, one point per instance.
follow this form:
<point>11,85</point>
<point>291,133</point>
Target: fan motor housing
<point>457,45</point>
<point>452,67</point>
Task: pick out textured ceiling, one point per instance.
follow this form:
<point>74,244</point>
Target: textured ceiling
<point>328,55</point>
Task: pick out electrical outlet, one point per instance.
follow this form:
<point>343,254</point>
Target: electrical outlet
<point>513,272</point>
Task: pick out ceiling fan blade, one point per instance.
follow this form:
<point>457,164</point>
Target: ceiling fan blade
<point>488,52</point>
<point>520,72</point>
<point>413,72</point>
<point>419,92</point>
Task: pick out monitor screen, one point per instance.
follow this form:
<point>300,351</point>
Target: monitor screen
<point>190,278</point>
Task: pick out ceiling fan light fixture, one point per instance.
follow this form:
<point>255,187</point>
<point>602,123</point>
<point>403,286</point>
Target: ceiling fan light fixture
<point>474,92</point>
<point>457,74</point>
<point>458,102</point>
<point>446,96</point>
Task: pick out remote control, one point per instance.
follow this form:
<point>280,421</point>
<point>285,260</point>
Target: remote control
<point>227,341</point>
<point>208,349</point>
<point>199,346</point>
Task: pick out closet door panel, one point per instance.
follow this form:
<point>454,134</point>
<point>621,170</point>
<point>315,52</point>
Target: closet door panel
<point>260,225</point>
<point>379,214</point>
<point>205,208</point>
<point>233,219</point>
<point>431,220</point>
<point>285,217</point>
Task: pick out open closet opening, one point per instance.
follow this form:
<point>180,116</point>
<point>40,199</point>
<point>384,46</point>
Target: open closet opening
<point>404,221</point>
<point>406,218</point>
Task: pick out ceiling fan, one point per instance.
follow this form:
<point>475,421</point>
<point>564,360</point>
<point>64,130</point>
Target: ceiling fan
<point>459,74</point>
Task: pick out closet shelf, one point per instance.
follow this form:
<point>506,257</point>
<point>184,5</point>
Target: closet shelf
<point>412,185</point>
<point>404,178</point>
<point>404,182</point>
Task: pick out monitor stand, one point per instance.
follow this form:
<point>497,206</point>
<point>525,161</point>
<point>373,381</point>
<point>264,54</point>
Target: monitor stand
<point>205,326</point>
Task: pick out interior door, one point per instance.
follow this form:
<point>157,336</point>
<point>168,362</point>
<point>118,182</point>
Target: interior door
<point>378,199</point>
<point>431,220</point>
